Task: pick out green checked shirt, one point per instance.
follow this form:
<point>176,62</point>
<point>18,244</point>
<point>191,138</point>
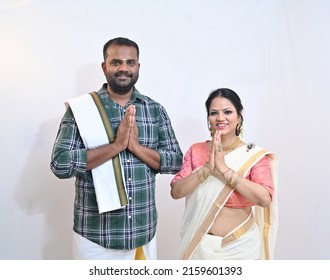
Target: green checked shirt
<point>135,224</point>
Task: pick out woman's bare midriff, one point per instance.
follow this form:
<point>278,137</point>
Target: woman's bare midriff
<point>228,219</point>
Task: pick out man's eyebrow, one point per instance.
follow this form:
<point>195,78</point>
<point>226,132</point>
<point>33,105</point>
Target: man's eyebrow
<point>124,59</point>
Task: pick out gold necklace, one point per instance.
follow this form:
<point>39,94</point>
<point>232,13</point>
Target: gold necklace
<point>232,146</point>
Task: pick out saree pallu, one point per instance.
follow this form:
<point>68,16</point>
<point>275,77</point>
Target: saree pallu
<point>207,200</point>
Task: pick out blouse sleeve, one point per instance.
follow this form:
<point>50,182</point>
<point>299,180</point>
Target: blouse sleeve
<point>261,174</point>
<point>186,168</point>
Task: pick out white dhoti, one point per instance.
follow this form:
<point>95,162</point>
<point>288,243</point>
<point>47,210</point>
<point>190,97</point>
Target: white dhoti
<point>84,249</point>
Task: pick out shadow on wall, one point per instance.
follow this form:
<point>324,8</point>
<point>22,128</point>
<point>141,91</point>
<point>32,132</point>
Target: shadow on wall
<point>170,213</point>
<point>88,78</point>
<point>45,200</point>
<point>188,131</point>
<point>40,194</point>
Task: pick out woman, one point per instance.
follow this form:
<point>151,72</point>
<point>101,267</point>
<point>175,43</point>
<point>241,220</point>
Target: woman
<point>230,190</point>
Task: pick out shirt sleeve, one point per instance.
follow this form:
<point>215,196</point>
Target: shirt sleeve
<point>69,156</point>
<point>168,146</point>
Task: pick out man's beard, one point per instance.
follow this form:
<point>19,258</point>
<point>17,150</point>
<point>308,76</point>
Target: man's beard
<point>120,88</point>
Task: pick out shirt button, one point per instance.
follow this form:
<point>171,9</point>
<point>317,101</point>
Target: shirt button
<point>130,198</point>
<point>129,216</point>
<point>127,160</point>
<point>129,179</point>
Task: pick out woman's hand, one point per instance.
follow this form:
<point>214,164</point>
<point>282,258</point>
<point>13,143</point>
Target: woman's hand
<point>219,155</point>
<point>211,162</point>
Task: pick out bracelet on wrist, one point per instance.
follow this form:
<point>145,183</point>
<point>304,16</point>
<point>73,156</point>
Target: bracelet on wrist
<point>201,174</point>
<point>208,166</point>
<point>234,180</point>
<point>223,173</point>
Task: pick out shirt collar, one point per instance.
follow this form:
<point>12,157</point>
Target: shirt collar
<point>136,96</point>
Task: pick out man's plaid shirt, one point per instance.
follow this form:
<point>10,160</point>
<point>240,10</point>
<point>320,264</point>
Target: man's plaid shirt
<point>135,224</point>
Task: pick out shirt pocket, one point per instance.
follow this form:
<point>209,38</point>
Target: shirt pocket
<point>148,133</point>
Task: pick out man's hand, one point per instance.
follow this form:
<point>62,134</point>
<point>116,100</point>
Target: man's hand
<point>133,143</point>
<point>125,127</point>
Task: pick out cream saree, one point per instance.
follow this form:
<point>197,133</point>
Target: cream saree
<point>203,205</point>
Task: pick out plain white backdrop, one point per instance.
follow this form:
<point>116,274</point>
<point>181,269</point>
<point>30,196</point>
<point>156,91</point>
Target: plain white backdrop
<point>273,53</point>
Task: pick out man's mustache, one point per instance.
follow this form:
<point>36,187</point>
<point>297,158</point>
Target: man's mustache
<point>123,73</point>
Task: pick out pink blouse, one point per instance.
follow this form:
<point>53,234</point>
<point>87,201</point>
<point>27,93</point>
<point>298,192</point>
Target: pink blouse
<point>199,153</point>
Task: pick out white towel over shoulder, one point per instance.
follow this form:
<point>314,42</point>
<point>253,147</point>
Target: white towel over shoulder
<point>93,134</point>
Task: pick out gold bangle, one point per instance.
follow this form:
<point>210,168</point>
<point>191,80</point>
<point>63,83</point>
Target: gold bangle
<point>208,166</point>
<point>204,174</point>
<point>228,178</point>
<point>237,181</point>
<point>234,180</point>
<point>200,178</point>
<point>231,180</point>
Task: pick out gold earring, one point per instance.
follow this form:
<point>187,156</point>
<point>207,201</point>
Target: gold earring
<point>211,132</point>
<point>239,130</point>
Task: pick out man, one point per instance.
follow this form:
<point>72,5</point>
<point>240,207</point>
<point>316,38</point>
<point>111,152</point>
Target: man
<point>121,225</point>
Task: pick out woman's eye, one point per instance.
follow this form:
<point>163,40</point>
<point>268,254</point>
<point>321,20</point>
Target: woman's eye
<point>228,112</point>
